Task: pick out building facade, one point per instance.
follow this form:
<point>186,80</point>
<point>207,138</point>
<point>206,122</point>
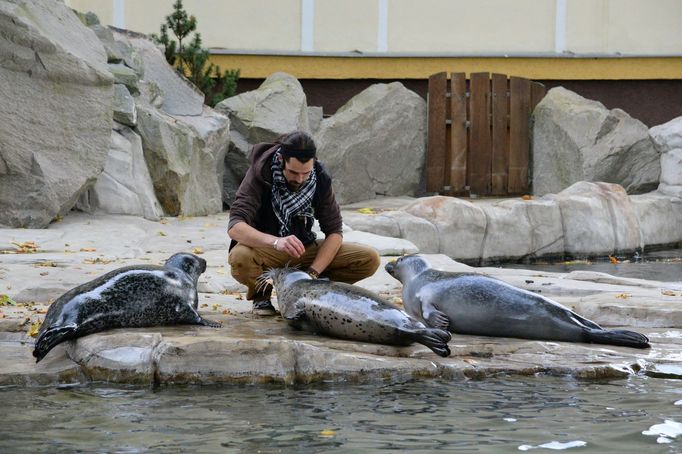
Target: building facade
<point>625,53</point>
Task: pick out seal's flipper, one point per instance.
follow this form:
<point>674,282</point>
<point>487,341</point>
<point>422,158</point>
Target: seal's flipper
<point>292,312</point>
<point>436,319</point>
<point>205,322</point>
<point>436,339</point>
<point>51,337</point>
<point>620,337</point>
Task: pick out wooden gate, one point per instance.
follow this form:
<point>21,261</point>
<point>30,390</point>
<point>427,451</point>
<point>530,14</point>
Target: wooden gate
<point>479,134</point>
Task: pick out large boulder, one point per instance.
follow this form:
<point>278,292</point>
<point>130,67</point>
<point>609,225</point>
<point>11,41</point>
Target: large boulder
<point>660,218</point>
<point>521,229</point>
<point>598,219</point>
<point>55,114</point>
<point>125,186</point>
<point>668,141</point>
<point>275,108</point>
<point>576,139</point>
<point>184,159</point>
<point>460,225</point>
<point>375,143</point>
<point>180,96</point>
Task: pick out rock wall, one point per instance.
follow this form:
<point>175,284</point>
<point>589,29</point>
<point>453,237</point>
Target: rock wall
<point>576,139</point>
<point>55,114</point>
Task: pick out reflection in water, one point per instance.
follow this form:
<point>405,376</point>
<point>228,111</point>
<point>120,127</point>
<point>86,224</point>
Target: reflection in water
<point>500,415</point>
<point>663,266</point>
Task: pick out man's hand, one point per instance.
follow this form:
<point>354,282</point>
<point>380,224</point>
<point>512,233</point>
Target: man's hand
<point>291,245</point>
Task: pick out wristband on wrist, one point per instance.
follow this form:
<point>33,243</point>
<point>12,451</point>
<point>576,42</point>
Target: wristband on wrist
<point>314,274</point>
<point>274,243</point>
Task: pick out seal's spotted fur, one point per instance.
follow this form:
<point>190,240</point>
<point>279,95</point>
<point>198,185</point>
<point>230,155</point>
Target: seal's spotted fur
<point>132,296</point>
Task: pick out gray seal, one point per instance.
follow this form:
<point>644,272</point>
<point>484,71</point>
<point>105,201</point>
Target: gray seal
<point>468,303</point>
<point>349,312</point>
<point>132,296</point>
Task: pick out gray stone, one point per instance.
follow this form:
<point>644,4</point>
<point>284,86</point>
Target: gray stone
<point>419,231</point>
<point>379,223</point>
<point>126,76</point>
<point>315,115</point>
<point>671,173</point>
<point>131,58</point>
<point>111,47</point>
<point>124,106</point>
<point>183,161</point>
<point>660,218</point>
<point>576,139</point>
<point>461,225</point>
<point>386,123</point>
<point>667,136</point>
<point>180,96</point>
<point>125,186</point>
<point>598,219</point>
<point>50,63</point>
<point>275,108</point>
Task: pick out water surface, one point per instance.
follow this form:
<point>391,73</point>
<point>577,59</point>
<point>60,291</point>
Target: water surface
<point>540,414</point>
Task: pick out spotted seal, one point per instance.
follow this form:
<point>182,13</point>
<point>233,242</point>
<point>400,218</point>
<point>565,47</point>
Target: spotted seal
<point>132,296</point>
<point>349,312</point>
<point>468,303</point>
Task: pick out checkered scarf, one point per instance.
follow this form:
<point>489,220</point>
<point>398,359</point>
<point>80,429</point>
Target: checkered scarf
<point>287,203</point>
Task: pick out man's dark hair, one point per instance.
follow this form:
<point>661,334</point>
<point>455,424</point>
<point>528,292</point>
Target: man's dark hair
<point>297,144</point>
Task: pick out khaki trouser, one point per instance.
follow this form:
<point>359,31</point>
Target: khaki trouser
<point>352,263</point>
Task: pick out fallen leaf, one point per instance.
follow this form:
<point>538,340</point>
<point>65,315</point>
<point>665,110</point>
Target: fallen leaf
<point>97,261</point>
<point>27,247</point>
<point>669,293</point>
<point>44,273</point>
<point>214,307</point>
<point>162,233</point>
<point>613,260</point>
<point>366,210</point>
<point>33,330</point>
<point>197,250</point>
<point>46,263</point>
<point>527,197</point>
<point>327,433</point>
<point>204,305</point>
<point>88,249</point>
<point>163,221</point>
<point>623,296</point>
<point>226,312</point>
<point>5,300</point>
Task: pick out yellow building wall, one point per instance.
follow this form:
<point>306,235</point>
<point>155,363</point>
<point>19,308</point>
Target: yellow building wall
<point>520,37</point>
<point>463,26</point>
<point>345,25</point>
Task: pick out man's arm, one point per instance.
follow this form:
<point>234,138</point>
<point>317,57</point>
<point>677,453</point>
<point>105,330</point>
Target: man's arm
<point>243,233</point>
<point>328,249</point>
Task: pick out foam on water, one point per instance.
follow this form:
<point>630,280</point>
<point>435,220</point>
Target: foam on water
<point>555,445</point>
<point>665,432</point>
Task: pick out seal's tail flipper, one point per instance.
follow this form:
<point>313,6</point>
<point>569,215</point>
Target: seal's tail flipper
<point>620,337</point>
<point>436,339</point>
<point>50,338</point>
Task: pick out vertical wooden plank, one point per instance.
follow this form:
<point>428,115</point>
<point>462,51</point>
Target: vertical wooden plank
<point>458,133</point>
<point>537,92</point>
<point>435,155</point>
<point>519,147</point>
<point>500,143</point>
<point>480,145</point>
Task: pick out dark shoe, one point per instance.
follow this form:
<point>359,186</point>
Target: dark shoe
<point>263,308</point>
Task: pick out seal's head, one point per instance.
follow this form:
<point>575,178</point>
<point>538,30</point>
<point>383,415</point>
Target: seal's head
<point>282,277</point>
<point>190,264</point>
<point>407,265</point>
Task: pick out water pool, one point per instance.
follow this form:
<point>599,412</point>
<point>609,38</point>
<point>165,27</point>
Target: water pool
<point>505,414</point>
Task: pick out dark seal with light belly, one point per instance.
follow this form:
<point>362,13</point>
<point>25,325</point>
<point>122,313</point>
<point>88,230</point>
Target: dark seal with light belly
<point>349,312</point>
<point>467,303</point>
<point>132,296</point>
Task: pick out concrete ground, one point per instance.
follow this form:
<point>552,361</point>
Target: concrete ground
<point>37,266</point>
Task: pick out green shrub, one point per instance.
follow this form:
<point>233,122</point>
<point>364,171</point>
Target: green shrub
<point>191,59</point>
